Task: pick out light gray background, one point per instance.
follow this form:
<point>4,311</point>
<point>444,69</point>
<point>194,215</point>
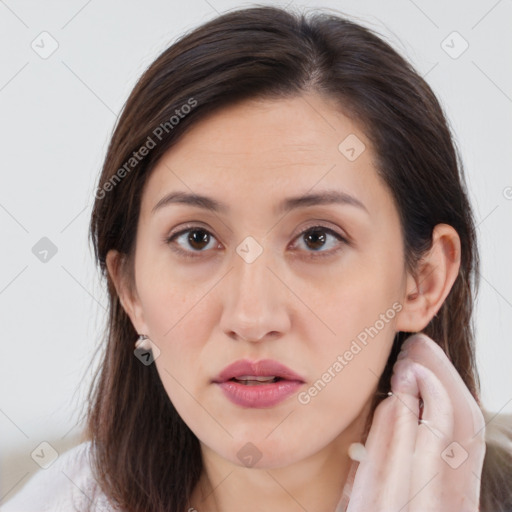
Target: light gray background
<point>56,118</point>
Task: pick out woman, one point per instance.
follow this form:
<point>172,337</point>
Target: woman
<point>280,208</point>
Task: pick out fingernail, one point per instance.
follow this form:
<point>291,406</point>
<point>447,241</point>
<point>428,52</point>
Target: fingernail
<point>403,354</point>
<point>404,382</point>
<point>357,451</point>
<point>410,339</point>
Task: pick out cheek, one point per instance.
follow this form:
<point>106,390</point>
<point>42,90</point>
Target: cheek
<point>165,298</point>
<point>361,317</point>
<point>346,378</point>
<point>359,308</point>
<point>181,326</point>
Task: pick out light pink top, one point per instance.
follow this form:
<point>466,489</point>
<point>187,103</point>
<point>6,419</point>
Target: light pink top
<point>68,485</point>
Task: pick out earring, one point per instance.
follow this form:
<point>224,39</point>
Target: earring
<point>143,342</point>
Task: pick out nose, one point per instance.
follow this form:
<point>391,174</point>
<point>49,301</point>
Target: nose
<point>255,305</point>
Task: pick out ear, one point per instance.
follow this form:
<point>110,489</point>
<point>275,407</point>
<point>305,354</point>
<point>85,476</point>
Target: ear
<point>116,265</point>
<point>435,275</point>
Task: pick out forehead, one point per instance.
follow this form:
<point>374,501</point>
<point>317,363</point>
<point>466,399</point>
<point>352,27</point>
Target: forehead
<point>298,130</point>
<point>262,150</point>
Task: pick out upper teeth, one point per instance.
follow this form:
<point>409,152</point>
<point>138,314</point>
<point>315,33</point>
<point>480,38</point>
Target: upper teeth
<point>254,377</point>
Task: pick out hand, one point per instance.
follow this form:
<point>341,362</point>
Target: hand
<point>432,465</point>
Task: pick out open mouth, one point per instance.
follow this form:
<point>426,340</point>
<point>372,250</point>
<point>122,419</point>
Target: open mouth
<point>251,380</point>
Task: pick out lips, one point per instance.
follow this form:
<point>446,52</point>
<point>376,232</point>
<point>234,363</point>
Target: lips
<point>259,384</point>
<point>257,372</point>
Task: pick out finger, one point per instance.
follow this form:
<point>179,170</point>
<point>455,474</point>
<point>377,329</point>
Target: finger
<point>434,434</point>
<point>383,478</point>
<point>469,420</point>
<point>464,453</point>
<point>437,414</point>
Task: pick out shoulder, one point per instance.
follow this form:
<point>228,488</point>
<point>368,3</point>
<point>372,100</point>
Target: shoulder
<point>67,485</point>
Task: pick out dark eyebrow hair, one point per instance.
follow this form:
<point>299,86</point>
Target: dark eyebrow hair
<point>288,204</point>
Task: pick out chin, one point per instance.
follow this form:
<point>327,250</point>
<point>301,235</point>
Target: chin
<point>264,454</point>
<point>274,461</point>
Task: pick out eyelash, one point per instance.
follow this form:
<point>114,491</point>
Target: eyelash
<point>313,254</point>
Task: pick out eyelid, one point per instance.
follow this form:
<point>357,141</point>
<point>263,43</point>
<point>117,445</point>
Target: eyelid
<point>323,224</point>
<point>188,227</point>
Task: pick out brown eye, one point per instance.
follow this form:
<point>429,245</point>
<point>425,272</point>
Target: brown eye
<point>189,241</point>
<point>316,238</point>
<point>197,238</point>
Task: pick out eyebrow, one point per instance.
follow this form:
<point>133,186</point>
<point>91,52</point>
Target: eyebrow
<point>288,204</point>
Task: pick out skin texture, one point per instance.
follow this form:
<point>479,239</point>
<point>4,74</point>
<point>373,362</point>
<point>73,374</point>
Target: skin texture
<point>289,304</point>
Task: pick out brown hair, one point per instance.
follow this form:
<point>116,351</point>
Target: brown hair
<point>145,456</point>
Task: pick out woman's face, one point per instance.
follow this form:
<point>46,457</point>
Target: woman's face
<point>244,283</point>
